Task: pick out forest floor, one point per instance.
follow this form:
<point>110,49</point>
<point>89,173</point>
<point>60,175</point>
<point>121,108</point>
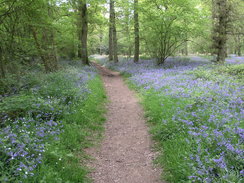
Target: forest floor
<point>125,154</point>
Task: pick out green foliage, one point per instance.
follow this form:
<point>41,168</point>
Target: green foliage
<point>60,103</point>
<point>14,83</point>
<point>63,160</point>
<point>20,105</point>
<point>166,26</point>
<point>221,72</point>
<point>173,119</point>
<point>42,93</point>
<point>233,70</point>
<point>168,134</point>
<point>60,86</point>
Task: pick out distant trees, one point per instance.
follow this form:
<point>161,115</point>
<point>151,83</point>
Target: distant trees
<point>236,31</point>
<point>43,31</point>
<point>166,25</point>
<point>45,44</point>
<point>26,33</point>
<point>10,39</point>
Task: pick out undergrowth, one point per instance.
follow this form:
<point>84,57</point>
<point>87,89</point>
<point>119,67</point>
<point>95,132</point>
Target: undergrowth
<point>63,160</point>
<point>46,126</point>
<point>195,120</point>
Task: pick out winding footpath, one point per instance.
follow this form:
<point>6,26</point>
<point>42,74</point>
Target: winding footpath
<point>125,155</point>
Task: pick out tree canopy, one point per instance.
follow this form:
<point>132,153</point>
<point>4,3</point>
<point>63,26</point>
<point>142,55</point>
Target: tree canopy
<point>51,30</point>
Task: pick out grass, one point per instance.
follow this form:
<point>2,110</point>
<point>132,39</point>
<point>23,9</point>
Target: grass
<point>63,160</point>
<point>182,153</point>
<point>214,72</point>
<point>168,137</point>
<point>47,125</point>
<point>168,134</point>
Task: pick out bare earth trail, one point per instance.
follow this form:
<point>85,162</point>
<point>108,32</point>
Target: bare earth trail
<point>125,155</point>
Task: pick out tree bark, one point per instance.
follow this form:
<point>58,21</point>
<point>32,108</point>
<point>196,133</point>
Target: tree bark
<point>137,37</point>
<point>2,64</point>
<point>213,32</point>
<point>127,29</point>
<point>111,50</point>
<point>220,29</point>
<point>221,52</point>
<point>113,55</point>
<point>46,49</point>
<point>101,43</point>
<point>50,50</point>
<point>239,45</point>
<point>186,48</point>
<point>84,31</point>
<point>116,59</point>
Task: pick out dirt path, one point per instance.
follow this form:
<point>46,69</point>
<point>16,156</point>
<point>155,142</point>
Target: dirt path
<point>125,155</point>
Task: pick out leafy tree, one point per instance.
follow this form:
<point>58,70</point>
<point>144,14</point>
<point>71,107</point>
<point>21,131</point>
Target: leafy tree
<point>165,26</point>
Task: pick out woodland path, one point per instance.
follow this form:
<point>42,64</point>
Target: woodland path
<point>125,155</point>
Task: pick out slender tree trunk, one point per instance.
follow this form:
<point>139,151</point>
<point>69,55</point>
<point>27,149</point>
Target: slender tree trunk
<point>113,55</point>
<point>2,75</point>
<point>46,50</point>
<point>75,50</point>
<point>111,50</point>
<point>79,28</point>
<point>116,59</point>
<point>101,42</point>
<point>127,30</point>
<point>239,45</point>
<point>186,48</point>
<point>84,31</point>
<point>129,41</point>
<point>137,36</point>
<point>39,49</point>
<point>213,32</point>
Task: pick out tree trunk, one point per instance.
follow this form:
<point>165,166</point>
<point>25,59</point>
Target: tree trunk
<point>79,44</point>
<point>46,49</point>
<point>84,31</point>
<point>127,30</point>
<point>186,48</point>
<point>161,60</point>
<point>2,75</point>
<point>115,42</point>
<point>213,32</point>
<point>101,44</point>
<point>220,29</point>
<point>111,50</point>
<point>78,26</point>
<point>113,55</point>
<point>239,45</point>
<point>221,51</point>
<point>137,37</point>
